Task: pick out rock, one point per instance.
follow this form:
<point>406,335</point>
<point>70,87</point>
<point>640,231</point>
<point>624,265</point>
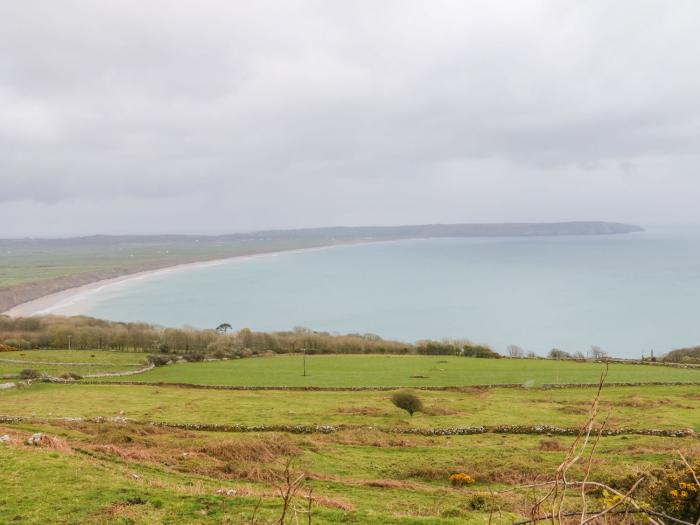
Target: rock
<point>7,386</point>
<point>5,439</point>
<point>35,439</point>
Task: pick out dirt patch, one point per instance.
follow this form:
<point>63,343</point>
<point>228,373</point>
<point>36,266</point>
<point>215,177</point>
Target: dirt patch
<point>551,445</point>
<point>436,410</point>
<point>387,484</point>
<point>640,402</point>
<point>572,409</point>
<point>362,411</point>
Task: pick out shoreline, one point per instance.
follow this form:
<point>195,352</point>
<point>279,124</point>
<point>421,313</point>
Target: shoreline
<point>75,300</point>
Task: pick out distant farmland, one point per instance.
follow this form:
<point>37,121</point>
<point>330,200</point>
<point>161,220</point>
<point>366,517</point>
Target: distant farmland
<point>415,371</point>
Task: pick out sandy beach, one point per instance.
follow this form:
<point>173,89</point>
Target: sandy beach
<point>76,301</point>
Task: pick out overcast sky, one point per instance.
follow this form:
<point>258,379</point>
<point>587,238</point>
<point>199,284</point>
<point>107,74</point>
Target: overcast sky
<point>135,116</point>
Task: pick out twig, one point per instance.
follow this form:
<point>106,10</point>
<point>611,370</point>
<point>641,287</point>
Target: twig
<point>648,512</point>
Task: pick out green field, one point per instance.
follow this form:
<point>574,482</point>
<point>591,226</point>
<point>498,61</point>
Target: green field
<point>392,370</point>
<point>57,362</point>
<point>126,470</point>
<point>635,407</point>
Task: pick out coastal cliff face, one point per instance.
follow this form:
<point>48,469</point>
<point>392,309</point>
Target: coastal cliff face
<point>49,266</point>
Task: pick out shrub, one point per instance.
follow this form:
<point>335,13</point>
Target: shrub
<point>479,351</point>
<point>556,353</point>
<point>675,492</point>
<point>408,402</point>
<point>460,479</point>
<point>71,376</point>
<point>29,373</point>
<point>158,360</point>
<point>19,344</point>
<point>7,348</point>
<point>192,357</point>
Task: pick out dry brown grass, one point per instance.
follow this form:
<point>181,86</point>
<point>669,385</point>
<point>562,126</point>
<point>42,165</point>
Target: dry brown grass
<point>263,449</point>
<point>551,445</point>
<point>638,402</point>
<point>362,411</point>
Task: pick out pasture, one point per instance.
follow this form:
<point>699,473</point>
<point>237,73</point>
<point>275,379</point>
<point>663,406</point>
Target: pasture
<point>406,371</point>
<point>82,362</point>
<point>143,454</point>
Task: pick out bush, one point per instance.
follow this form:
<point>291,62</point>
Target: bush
<point>20,344</point>
<point>556,353</point>
<point>460,479</point>
<point>408,402</point>
<point>192,357</point>
<point>479,351</point>
<point>675,492</point>
<point>158,360</point>
<point>71,376</point>
<point>7,348</point>
<point>29,373</point>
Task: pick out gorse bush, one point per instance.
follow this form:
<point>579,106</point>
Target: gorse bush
<point>460,479</point>
<point>675,491</point>
<point>408,402</point>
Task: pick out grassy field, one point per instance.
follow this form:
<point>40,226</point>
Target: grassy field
<point>57,362</point>
<point>635,407</point>
<point>129,471</point>
<point>392,370</point>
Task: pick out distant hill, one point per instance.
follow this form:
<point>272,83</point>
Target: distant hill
<point>32,268</point>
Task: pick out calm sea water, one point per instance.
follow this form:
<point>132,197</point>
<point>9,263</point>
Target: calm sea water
<point>626,293</point>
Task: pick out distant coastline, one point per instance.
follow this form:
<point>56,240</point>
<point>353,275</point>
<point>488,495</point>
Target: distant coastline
<point>43,295</point>
<point>72,301</point>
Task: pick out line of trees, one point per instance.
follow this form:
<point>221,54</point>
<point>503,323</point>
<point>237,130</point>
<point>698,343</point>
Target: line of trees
<point>82,332</point>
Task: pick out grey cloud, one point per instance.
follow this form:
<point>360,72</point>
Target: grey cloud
<point>284,114</point>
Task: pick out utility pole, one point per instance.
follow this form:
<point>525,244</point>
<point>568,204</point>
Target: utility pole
<point>69,342</point>
<point>304,358</point>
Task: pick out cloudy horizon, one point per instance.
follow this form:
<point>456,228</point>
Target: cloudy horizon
<point>217,117</point>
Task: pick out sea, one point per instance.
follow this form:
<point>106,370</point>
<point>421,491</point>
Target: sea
<point>630,294</point>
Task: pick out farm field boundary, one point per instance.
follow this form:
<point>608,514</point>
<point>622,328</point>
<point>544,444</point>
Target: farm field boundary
<point>331,429</point>
<point>371,388</point>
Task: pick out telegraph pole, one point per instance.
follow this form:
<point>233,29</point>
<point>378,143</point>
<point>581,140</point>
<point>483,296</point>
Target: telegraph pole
<point>304,358</point>
<point>69,342</point>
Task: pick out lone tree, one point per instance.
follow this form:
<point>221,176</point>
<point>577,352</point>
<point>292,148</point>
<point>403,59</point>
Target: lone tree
<point>408,402</point>
<point>223,328</point>
<point>556,353</point>
<point>515,351</point>
<point>598,353</point>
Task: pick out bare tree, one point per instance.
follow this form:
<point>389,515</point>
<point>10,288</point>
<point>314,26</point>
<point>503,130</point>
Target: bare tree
<point>598,353</point>
<point>515,351</point>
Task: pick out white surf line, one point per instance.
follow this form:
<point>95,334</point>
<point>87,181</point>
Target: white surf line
<point>71,297</point>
